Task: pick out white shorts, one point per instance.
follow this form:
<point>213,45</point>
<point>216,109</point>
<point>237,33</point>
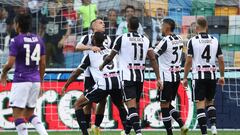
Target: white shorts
<point>24,94</point>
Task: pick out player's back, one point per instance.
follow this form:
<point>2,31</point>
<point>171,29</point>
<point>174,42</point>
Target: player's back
<point>132,48</point>
<point>204,49</point>
<point>109,77</point>
<point>169,51</point>
<point>27,48</point>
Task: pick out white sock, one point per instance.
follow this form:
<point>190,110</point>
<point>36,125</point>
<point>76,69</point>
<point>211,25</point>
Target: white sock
<point>38,125</point>
<point>22,129</point>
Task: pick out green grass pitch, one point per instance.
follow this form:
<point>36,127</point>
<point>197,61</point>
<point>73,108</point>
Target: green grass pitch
<point>118,133</point>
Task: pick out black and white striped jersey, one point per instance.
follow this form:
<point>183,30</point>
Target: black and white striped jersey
<point>107,79</point>
<point>132,50</point>
<point>169,52</point>
<point>204,49</point>
<point>87,40</point>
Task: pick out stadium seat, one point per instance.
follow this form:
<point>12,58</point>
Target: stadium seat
<point>228,58</point>
<point>226,7</point>
<point>234,25</point>
<point>230,42</point>
<point>155,5</point>
<point>218,24</point>
<point>203,7</point>
<point>179,8</point>
<point>73,59</point>
<point>237,59</point>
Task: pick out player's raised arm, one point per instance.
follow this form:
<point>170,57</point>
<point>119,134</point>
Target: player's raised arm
<point>83,66</point>
<point>115,50</point>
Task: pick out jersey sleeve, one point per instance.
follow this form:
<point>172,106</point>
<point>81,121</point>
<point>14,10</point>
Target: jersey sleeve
<point>83,40</point>
<point>190,49</point>
<point>161,47</point>
<point>117,44</point>
<point>84,63</point>
<point>219,51</point>
<point>13,48</point>
<point>108,43</point>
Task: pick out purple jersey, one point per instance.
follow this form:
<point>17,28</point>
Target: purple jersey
<point>28,49</point>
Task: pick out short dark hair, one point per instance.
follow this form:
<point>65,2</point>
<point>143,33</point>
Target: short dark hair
<point>202,22</point>
<point>129,6</point>
<point>99,37</point>
<point>112,10</point>
<point>133,23</point>
<point>24,22</point>
<point>170,22</point>
<point>98,18</point>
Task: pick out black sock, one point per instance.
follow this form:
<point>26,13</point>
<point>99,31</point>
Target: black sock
<point>128,126</point>
<point>211,111</point>
<point>81,121</point>
<point>202,120</point>
<point>88,120</point>
<point>98,119</point>
<point>175,114</point>
<point>167,120</point>
<point>134,119</point>
<point>123,116</point>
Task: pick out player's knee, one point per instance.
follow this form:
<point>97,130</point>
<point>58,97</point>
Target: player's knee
<point>201,104</point>
<point>209,102</point>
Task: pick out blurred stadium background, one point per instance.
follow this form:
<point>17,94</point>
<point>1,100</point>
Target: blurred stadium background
<point>56,111</point>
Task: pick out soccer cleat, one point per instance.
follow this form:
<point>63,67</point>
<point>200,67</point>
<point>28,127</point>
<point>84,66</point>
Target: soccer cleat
<point>184,130</point>
<point>123,132</point>
<point>96,130</point>
<point>214,130</point>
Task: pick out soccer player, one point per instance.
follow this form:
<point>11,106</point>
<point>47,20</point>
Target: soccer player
<point>132,49</point>
<point>169,52</point>
<point>203,50</point>
<point>107,82</point>
<point>27,52</point>
<point>86,46</point>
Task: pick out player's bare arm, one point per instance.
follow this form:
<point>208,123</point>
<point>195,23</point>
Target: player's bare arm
<point>82,47</point>
<point>221,80</point>
<point>42,66</point>
<point>6,68</point>
<point>72,78</point>
<point>151,56</point>
<point>107,60</point>
<point>187,67</point>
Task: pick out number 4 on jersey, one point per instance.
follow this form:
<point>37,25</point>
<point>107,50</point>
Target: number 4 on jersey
<point>206,53</point>
<point>35,56</point>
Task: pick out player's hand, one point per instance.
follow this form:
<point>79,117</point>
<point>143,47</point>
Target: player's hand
<point>185,83</point>
<point>3,80</point>
<point>101,67</point>
<point>159,85</point>
<point>221,81</point>
<point>95,49</point>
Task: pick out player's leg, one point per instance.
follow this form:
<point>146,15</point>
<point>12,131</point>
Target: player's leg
<point>165,99</point>
<point>29,111</point>
<point>117,100</point>
<point>130,96</point>
<point>88,83</point>
<point>210,108</point>
<point>174,113</point>
<point>199,94</point>
<point>79,104</point>
<point>18,102</point>
<point>99,116</point>
<point>92,95</point>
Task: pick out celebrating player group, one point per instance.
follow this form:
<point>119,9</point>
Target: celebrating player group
<point>116,68</point>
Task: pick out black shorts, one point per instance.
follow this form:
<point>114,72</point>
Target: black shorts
<point>95,94</point>
<point>132,90</point>
<point>88,82</point>
<point>169,91</point>
<point>204,89</point>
